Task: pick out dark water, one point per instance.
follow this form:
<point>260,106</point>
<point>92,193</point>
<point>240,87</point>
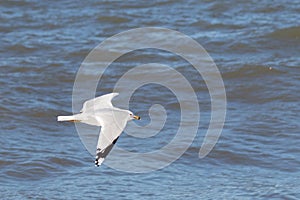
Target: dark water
<point>256,46</point>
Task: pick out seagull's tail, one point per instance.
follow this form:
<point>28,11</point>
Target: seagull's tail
<point>65,118</point>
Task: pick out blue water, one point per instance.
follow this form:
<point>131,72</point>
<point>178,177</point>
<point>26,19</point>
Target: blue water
<point>255,45</point>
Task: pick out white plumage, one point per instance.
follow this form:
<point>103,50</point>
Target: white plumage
<point>100,112</point>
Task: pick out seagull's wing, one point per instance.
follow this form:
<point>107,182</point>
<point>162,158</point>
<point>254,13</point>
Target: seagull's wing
<point>109,134</point>
<point>99,102</point>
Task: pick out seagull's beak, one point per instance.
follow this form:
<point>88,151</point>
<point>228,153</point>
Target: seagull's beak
<point>136,117</point>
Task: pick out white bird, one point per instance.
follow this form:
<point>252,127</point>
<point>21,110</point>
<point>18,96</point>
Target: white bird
<point>100,112</point>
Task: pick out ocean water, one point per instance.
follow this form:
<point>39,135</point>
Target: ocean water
<point>255,45</point>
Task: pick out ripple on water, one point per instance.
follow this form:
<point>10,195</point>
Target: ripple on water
<point>291,33</point>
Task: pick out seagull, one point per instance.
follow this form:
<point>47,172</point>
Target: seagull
<point>100,112</point>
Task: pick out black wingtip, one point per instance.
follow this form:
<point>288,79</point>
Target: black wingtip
<point>96,162</point>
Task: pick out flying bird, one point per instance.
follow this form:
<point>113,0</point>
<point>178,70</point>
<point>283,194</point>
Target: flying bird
<point>100,112</point>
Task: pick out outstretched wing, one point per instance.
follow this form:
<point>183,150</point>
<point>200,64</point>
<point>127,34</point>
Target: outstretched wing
<point>103,101</point>
<point>109,135</point>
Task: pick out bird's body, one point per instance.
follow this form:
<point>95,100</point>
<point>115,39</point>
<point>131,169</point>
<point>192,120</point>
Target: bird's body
<point>100,112</point>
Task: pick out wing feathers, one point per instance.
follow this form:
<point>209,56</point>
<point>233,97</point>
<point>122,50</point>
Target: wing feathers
<point>101,154</point>
<point>99,102</point>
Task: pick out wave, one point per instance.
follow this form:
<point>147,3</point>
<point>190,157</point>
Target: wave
<point>22,48</point>
<point>113,19</point>
<point>243,157</point>
<point>18,3</point>
<point>38,169</point>
<point>291,33</point>
<point>249,70</point>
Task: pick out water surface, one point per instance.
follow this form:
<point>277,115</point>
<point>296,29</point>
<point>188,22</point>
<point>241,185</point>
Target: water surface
<point>256,46</point>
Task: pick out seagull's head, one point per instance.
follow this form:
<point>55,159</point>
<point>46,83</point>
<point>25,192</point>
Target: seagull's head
<point>132,116</point>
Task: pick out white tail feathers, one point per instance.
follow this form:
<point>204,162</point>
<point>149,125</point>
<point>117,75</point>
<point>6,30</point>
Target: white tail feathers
<point>65,118</point>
